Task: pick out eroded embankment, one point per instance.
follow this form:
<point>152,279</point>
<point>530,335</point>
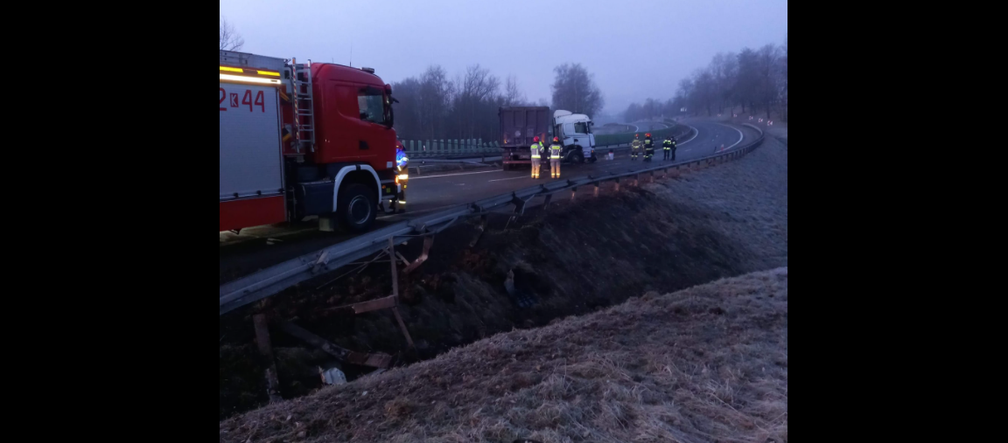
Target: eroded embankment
<point>708,363</point>
<point>571,259</point>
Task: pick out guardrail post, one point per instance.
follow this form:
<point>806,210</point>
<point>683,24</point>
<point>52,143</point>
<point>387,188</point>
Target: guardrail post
<point>392,260</point>
<point>480,229</point>
<point>573,193</point>
<point>617,184</point>
<point>596,189</point>
<point>395,292</point>
<point>547,201</point>
<point>266,349</point>
<point>427,242</point>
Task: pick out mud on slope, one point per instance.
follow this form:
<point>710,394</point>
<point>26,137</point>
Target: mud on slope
<point>571,258</point>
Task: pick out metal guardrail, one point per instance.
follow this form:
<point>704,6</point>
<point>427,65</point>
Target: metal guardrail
<point>476,148</point>
<point>275,279</point>
<point>619,145</point>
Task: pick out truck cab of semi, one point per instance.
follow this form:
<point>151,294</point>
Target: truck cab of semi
<point>575,132</point>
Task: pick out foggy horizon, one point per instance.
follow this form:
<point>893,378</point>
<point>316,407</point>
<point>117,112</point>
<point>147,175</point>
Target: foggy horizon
<point>634,49</point>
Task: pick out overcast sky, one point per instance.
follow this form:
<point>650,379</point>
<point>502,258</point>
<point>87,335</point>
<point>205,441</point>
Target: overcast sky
<point>635,48</point>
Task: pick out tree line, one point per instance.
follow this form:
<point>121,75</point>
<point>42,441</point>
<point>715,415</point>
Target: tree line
<point>753,79</point>
<point>432,106</point>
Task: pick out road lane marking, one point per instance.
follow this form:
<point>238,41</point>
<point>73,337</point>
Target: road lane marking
<point>509,178</point>
<point>741,136</point>
<point>696,133</point>
<point>452,175</point>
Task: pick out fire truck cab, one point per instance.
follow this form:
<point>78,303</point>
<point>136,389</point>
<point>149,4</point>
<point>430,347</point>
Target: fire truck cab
<point>300,140</point>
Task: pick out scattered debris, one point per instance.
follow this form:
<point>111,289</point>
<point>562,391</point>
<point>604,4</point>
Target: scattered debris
<point>520,296</point>
<point>332,376</point>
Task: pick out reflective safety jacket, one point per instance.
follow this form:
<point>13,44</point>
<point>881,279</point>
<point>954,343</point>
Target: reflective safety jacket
<point>667,144</point>
<point>537,149</point>
<point>648,143</point>
<point>635,144</point>
<point>555,151</point>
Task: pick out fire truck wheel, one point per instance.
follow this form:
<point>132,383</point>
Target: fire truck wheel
<point>357,207</point>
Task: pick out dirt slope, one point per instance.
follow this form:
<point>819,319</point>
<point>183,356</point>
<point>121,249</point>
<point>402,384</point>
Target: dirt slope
<point>704,364</point>
<point>572,259</point>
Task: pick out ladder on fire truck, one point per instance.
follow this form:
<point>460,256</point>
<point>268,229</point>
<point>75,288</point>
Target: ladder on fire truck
<point>304,117</point>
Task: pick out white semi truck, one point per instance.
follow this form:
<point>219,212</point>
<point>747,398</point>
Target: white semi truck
<point>575,133</point>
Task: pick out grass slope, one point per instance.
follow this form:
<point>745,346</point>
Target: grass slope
<point>708,363</point>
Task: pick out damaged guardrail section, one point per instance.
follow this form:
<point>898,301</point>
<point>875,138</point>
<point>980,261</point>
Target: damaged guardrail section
<point>275,279</point>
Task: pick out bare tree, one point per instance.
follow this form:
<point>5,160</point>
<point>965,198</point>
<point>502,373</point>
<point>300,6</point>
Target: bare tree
<point>512,95</point>
<point>717,71</point>
<point>651,108</point>
<point>432,106</point>
<point>705,89</point>
<point>434,101</point>
<point>745,90</point>
<point>633,113</point>
<point>477,92</point>
<point>766,89</point>
<point>729,72</point>
<point>230,40</point>
<point>783,81</point>
<point>407,121</point>
<point>684,95</point>
<point>575,91</point>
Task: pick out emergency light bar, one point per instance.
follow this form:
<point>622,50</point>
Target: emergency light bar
<point>250,71</point>
<point>251,75</point>
<point>242,78</point>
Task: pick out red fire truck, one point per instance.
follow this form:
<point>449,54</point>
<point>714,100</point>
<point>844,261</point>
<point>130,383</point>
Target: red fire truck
<point>305,139</point>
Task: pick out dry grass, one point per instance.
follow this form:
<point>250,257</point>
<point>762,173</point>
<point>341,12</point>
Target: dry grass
<point>744,201</point>
<point>708,363</point>
<point>576,258</point>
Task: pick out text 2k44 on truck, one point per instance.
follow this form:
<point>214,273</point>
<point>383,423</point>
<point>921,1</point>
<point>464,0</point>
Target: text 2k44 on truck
<point>298,140</point>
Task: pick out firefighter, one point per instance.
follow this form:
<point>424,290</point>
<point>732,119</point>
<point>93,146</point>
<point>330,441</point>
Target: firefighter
<point>648,147</point>
<point>537,151</point>
<point>555,149</point>
<point>673,147</point>
<point>667,147</point>
<point>402,176</point>
<point>634,147</point>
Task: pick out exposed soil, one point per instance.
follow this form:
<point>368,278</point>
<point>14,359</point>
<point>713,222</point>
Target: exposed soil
<point>708,363</point>
<point>570,259</point>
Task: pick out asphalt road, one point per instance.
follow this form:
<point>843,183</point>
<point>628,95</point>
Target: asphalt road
<point>644,126</point>
<point>241,254</point>
<point>435,192</point>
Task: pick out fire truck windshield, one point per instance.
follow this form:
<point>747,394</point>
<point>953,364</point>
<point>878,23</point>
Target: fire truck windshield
<point>373,106</point>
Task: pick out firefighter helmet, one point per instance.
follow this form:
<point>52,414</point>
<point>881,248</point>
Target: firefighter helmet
<point>556,139</point>
<point>636,135</point>
<point>647,135</point>
<point>535,139</point>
